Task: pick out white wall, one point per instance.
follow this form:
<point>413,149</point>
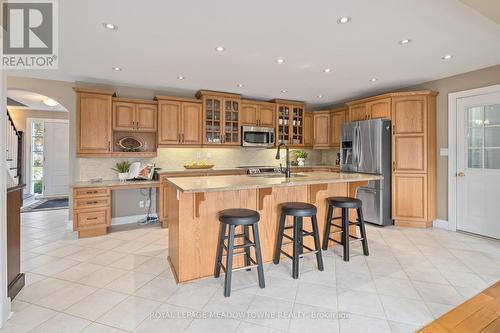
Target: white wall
<point>4,300</point>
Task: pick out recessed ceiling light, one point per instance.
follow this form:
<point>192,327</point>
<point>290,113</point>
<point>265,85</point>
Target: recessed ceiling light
<point>118,69</point>
<point>50,102</point>
<point>110,26</point>
<point>320,96</point>
<point>220,49</point>
<point>343,20</point>
<point>447,57</point>
<point>283,91</point>
<point>240,85</point>
<point>327,70</point>
<point>180,77</point>
<point>404,41</point>
<point>280,60</point>
<point>373,79</point>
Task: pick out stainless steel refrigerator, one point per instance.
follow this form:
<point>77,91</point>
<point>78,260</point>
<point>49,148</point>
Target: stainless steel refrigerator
<point>366,148</point>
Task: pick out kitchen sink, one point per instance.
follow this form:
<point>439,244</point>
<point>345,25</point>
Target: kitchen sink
<point>283,176</point>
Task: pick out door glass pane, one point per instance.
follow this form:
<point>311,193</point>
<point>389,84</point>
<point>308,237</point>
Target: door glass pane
<point>492,158</point>
<point>492,136</point>
<point>475,137</point>
<point>492,115</point>
<point>475,158</point>
<point>475,116</point>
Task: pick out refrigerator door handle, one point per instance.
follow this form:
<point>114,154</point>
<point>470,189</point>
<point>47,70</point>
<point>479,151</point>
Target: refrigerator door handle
<point>360,153</point>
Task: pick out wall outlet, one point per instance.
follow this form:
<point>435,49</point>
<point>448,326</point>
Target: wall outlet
<point>443,151</point>
<point>141,204</point>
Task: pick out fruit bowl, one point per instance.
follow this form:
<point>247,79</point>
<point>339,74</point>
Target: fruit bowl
<point>198,166</point>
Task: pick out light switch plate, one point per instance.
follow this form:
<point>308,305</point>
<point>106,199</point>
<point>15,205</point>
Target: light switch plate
<point>443,151</point>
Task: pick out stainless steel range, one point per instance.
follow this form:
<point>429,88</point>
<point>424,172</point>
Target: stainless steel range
<point>259,170</point>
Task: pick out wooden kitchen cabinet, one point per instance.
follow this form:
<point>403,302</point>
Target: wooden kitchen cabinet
<point>290,122</point>
<point>370,108</point>
<point>93,122</point>
<point>146,117</point>
<point>255,113</point>
<point>338,117</point>
<point>221,118</point>
<point>379,109</point>
<point>321,129</point>
<point>308,129</point>
<point>123,116</point>
<point>358,112</point>
<point>129,115</point>
<point>414,158</point>
<point>92,211</point>
<point>179,121</point>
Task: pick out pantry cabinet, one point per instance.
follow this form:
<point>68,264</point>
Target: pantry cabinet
<point>179,121</point>
<point>414,158</point>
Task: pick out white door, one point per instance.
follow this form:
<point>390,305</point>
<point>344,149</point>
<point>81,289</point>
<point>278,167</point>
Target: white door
<point>56,159</point>
<point>478,164</point>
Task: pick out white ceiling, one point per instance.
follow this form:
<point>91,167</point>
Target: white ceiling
<point>158,40</point>
<point>32,100</point>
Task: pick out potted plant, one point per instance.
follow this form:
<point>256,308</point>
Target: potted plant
<point>301,157</point>
<point>122,168</point>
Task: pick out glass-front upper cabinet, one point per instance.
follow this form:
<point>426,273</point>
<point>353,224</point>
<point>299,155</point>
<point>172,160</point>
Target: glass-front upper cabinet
<point>290,124</point>
<point>221,118</point>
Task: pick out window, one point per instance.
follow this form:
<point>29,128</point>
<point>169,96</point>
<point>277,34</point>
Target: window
<point>483,137</point>
<point>37,136</point>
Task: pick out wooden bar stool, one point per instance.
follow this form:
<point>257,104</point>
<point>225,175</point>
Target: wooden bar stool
<point>231,218</point>
<point>345,203</point>
<point>298,210</point>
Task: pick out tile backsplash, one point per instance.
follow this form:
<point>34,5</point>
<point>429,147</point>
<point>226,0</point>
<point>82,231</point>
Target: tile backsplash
<point>175,158</point>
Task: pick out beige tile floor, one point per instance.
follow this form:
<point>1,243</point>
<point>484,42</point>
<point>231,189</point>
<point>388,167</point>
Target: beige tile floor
<point>122,282</point>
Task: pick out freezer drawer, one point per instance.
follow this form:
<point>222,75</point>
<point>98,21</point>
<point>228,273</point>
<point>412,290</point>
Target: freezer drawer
<point>371,198</point>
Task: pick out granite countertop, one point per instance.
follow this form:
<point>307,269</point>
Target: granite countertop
<point>217,169</point>
<point>231,183</point>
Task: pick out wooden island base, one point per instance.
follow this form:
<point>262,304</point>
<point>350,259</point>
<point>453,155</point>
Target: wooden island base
<point>194,224</point>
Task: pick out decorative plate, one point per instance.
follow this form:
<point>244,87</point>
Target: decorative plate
<point>129,144</point>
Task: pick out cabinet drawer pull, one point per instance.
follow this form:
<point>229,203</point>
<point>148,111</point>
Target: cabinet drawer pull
<point>393,129</point>
<point>393,165</point>
<point>92,202</point>
<point>91,218</point>
<point>91,192</point>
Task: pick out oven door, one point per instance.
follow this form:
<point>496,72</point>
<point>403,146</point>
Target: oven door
<point>257,136</point>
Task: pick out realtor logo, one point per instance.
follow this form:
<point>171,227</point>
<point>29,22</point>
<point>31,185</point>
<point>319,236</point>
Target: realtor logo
<point>29,34</point>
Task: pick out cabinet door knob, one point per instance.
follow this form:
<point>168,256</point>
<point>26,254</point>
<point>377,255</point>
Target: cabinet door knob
<point>461,174</point>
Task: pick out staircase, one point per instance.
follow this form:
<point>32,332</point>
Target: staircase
<point>14,152</point>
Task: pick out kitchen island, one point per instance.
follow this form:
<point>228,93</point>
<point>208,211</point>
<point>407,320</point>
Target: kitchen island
<point>194,203</point>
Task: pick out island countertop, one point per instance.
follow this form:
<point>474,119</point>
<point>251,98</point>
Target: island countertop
<point>244,182</point>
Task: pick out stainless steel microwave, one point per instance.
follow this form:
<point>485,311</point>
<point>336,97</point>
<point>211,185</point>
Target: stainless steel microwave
<point>252,136</point>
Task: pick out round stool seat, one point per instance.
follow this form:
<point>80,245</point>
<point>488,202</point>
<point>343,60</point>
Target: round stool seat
<point>298,209</point>
<point>344,202</point>
<point>239,216</point>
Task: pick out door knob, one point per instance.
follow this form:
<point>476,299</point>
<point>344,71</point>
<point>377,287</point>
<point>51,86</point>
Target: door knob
<point>461,174</point>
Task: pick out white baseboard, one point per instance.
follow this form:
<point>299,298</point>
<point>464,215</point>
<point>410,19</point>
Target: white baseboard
<point>127,219</point>
<point>441,224</point>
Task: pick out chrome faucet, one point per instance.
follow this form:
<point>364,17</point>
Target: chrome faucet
<point>287,169</point>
